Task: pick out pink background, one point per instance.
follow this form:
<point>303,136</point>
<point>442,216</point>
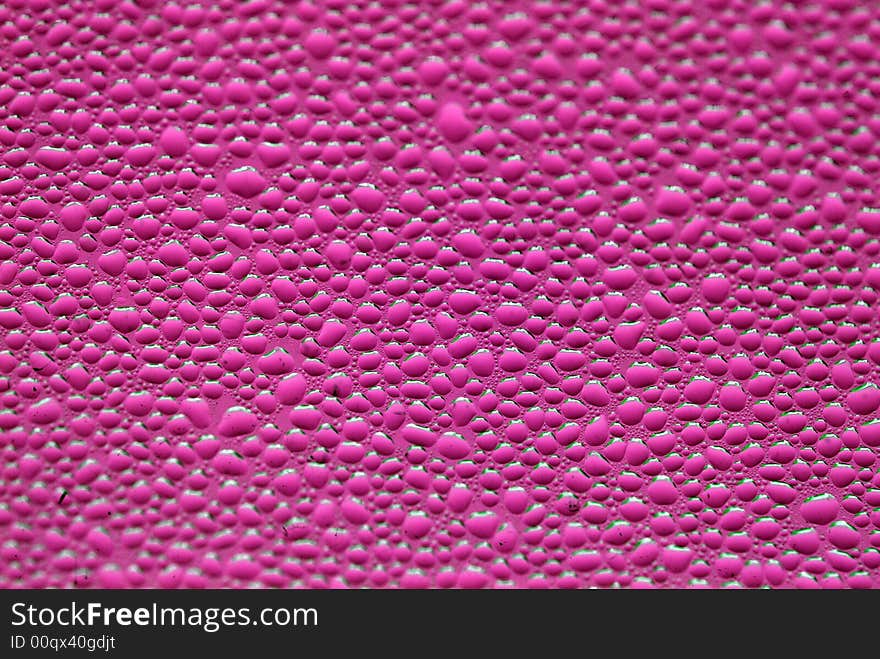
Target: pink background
<point>439,294</point>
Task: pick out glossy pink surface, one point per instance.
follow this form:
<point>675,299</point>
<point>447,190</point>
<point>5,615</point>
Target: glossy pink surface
<point>439,294</point>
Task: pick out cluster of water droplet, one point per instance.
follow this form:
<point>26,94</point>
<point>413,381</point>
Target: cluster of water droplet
<point>439,293</point>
